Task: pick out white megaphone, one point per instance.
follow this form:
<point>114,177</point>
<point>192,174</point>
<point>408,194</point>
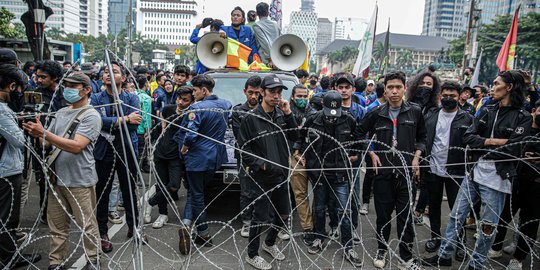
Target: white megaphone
<point>212,51</point>
<point>288,52</point>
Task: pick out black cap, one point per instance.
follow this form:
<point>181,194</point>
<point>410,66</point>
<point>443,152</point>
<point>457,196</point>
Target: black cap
<point>78,78</point>
<point>88,68</point>
<point>8,56</point>
<point>273,81</point>
<point>345,78</point>
<point>332,103</point>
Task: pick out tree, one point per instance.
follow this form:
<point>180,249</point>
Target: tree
<point>378,51</point>
<point>490,39</point>
<point>8,29</point>
<point>404,59</point>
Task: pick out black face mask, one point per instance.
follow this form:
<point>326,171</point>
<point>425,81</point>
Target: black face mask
<point>423,94</point>
<point>313,82</point>
<point>537,120</point>
<point>449,103</point>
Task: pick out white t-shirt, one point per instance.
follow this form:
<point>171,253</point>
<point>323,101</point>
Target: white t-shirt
<point>441,142</point>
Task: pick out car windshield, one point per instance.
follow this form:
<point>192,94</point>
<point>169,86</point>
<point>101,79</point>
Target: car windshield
<point>231,88</point>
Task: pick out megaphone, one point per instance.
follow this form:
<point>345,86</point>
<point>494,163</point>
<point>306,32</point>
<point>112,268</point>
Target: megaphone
<point>288,52</point>
<point>212,51</point>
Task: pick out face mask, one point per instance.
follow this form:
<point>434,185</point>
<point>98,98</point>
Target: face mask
<point>422,96</point>
<point>313,82</point>
<point>449,103</point>
<point>71,95</point>
<point>300,102</point>
<point>537,120</point>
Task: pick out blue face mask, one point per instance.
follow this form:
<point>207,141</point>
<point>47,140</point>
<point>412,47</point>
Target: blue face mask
<point>71,95</point>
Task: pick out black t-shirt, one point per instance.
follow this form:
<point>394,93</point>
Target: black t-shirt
<point>167,148</point>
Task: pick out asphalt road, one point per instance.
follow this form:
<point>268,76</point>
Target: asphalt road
<point>229,247</point>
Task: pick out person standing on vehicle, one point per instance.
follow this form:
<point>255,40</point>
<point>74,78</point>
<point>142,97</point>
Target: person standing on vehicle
<point>240,32</point>
<point>252,91</point>
<point>207,119</point>
<point>266,32</point>
<point>265,136</point>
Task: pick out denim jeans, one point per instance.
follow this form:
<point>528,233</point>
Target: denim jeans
<point>324,189</point>
<point>492,206</point>
<point>114,196</point>
<point>356,202</point>
<point>197,182</point>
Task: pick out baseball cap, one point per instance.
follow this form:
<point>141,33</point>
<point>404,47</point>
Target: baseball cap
<point>332,103</point>
<point>8,56</point>
<point>370,82</point>
<point>78,78</point>
<point>273,81</point>
<point>345,78</point>
<point>87,68</point>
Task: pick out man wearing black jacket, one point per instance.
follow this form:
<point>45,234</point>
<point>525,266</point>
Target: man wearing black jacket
<point>265,137</point>
<point>328,137</point>
<point>400,137</point>
<point>445,128</point>
<point>252,91</point>
<point>494,137</point>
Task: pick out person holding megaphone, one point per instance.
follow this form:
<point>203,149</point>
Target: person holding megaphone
<point>214,27</point>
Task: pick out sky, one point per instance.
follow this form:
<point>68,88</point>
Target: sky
<point>405,15</point>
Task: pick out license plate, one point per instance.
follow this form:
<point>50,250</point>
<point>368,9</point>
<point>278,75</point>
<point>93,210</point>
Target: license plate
<point>230,176</point>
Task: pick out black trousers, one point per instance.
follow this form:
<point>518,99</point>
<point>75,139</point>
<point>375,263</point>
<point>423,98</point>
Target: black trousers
<point>526,198</point>
<point>42,183</point>
<point>268,198</point>
<point>10,206</point>
<point>105,170</point>
<point>391,192</point>
<point>423,198</point>
<point>435,185</point>
<point>366,186</point>
<point>170,174</point>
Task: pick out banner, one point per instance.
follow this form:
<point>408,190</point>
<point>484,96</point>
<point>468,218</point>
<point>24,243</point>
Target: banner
<point>237,54</point>
<point>365,48</point>
<point>276,12</point>
<point>386,48</point>
<point>507,55</point>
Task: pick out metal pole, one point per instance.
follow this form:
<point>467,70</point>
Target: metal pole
<point>130,33</point>
<point>467,50</point>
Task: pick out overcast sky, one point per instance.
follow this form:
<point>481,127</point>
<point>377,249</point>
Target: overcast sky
<point>406,16</point>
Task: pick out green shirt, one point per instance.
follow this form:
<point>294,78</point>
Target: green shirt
<point>146,107</point>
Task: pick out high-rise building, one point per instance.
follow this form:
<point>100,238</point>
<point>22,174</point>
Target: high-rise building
<point>450,18</point>
<point>71,16</point>
<point>303,23</point>
<point>118,12</point>
<point>349,28</point>
<point>444,18</point>
<point>324,33</point>
<point>170,22</point>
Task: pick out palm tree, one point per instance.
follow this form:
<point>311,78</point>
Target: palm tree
<point>378,51</point>
<point>348,54</point>
<point>334,58</point>
<point>405,58</point>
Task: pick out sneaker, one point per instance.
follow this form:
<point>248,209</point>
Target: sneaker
<point>436,261</point>
<point>355,237</point>
<point>147,208</point>
<point>259,262</point>
<point>316,246</point>
<point>334,233</point>
<point>184,242</point>
<point>353,257</point>
<point>273,251</point>
<point>492,254</point>
<point>308,237</point>
<point>160,221</point>
<point>411,264</point>
<point>364,210</point>
<point>115,218</point>
<point>380,259</point>
<point>418,219</point>
<point>245,231</point>
<point>432,245</point>
<point>514,265</point>
<point>510,249</point>
<point>205,241</point>
<point>284,235</point>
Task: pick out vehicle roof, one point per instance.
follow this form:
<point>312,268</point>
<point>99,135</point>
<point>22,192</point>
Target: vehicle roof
<point>241,74</point>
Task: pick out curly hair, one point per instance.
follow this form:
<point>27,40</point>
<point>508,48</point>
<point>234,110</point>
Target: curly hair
<point>52,68</point>
<point>415,83</point>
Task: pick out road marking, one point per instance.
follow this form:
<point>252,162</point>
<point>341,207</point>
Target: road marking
<point>81,262</point>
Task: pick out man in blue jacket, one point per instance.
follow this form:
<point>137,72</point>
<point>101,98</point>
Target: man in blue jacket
<point>238,31</point>
<point>207,119</point>
<point>109,151</point>
<point>215,25</point>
